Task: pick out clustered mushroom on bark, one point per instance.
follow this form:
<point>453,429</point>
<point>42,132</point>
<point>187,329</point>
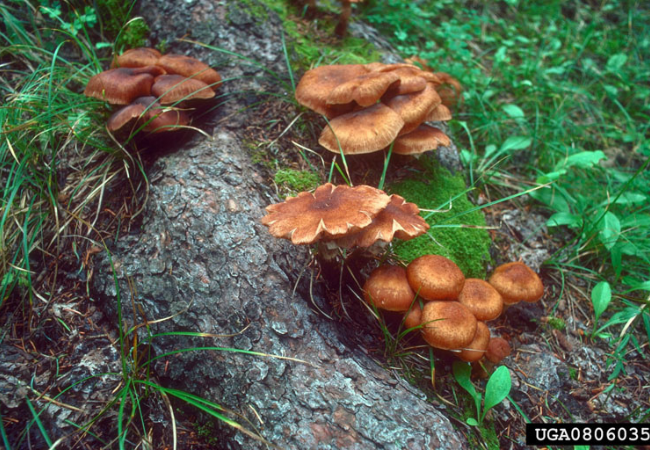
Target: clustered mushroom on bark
<point>155,92</point>
<point>454,309</point>
<point>371,106</point>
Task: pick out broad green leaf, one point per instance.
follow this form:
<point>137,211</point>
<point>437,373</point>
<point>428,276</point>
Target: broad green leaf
<point>472,422</point>
<point>516,143</point>
<point>601,295</point>
<point>636,220</point>
<point>489,149</point>
<point>616,62</point>
<point>552,198</point>
<point>644,286</point>
<point>462,373</point>
<point>497,388</point>
<point>584,159</point>
<point>564,218</point>
<point>513,111</point>
<point>610,229</point>
<point>631,197</point>
<point>467,157</point>
<point>550,176</point>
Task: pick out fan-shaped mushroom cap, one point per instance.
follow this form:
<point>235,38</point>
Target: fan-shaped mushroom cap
<point>148,112</point>
<point>423,139</point>
<point>366,90</point>
<point>516,281</point>
<point>411,81</point>
<point>435,277</point>
<point>439,114</point>
<point>190,68</point>
<point>315,86</point>
<point>476,349</point>
<point>122,86</point>
<point>497,349</point>
<point>364,131</point>
<point>125,118</point>
<point>481,298</point>
<point>387,288</point>
<point>175,88</point>
<point>331,212</point>
<point>447,325</point>
<point>414,108</point>
<point>399,219</point>
<point>138,57</point>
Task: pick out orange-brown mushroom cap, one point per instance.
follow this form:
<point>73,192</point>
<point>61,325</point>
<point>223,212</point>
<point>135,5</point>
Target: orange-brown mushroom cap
<point>365,90</point>
<point>423,139</point>
<point>414,108</point>
<point>138,57</point>
<point>387,288</point>
<point>175,88</point>
<point>315,86</point>
<point>399,219</point>
<point>190,68</point>
<point>125,118</point>
<point>497,349</point>
<point>516,281</point>
<point>440,113</point>
<point>481,298</point>
<point>449,89</point>
<point>435,277</point>
<point>122,86</point>
<point>476,349</point>
<point>448,325</point>
<point>413,317</point>
<point>364,131</point>
<point>331,212</point>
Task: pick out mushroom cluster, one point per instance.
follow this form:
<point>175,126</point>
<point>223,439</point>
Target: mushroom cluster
<point>371,106</point>
<point>344,217</point>
<point>153,90</point>
<point>454,309</point>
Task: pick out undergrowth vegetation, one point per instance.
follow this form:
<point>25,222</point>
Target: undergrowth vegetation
<point>555,97</point>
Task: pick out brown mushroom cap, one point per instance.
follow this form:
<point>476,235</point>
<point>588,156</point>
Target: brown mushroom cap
<point>476,349</point>
<point>159,119</point>
<point>423,139</point>
<point>138,57</point>
<point>315,86</point>
<point>448,325</point>
<point>365,90</point>
<point>449,89</point>
<point>413,317</point>
<point>435,277</point>
<point>364,131</point>
<point>387,288</point>
<point>516,281</point>
<point>481,298</point>
<point>190,68</point>
<point>411,81</point>
<point>175,88</point>
<point>122,86</point>
<point>125,120</point>
<point>440,113</point>
<point>414,108</point>
<point>399,219</point>
<point>497,349</point>
<point>331,212</point>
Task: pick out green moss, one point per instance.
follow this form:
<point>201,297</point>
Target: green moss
<point>306,49</point>
<point>296,181</point>
<point>453,233</point>
<point>557,323</point>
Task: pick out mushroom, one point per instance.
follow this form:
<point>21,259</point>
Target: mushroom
<point>330,212</point>
<point>399,219</point>
<point>481,298</point>
<point>346,11</point>
<point>365,90</point>
<point>363,131</point>
<point>516,281</point>
<point>138,57</point>
<point>435,277</point>
<point>190,68</point>
<point>448,325</point>
<point>497,349</point>
<point>315,86</point>
<point>122,86</point>
<point>413,317</point>
<point>476,349</point>
<point>423,139</point>
<point>146,112</point>
<point>176,88</point>
<point>414,108</point>
<point>388,288</point>
<point>440,113</point>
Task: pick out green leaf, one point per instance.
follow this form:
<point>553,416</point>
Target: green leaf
<point>601,295</point>
<point>497,389</point>
<point>514,111</point>
<point>516,143</point>
<point>564,218</point>
<point>610,229</point>
<point>616,62</point>
<point>472,422</point>
<point>552,198</point>
<point>462,373</point>
<point>584,159</point>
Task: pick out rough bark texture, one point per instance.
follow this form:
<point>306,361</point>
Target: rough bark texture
<point>203,258</point>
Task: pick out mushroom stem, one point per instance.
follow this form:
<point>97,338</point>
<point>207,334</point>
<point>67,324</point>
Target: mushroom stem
<point>346,11</point>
